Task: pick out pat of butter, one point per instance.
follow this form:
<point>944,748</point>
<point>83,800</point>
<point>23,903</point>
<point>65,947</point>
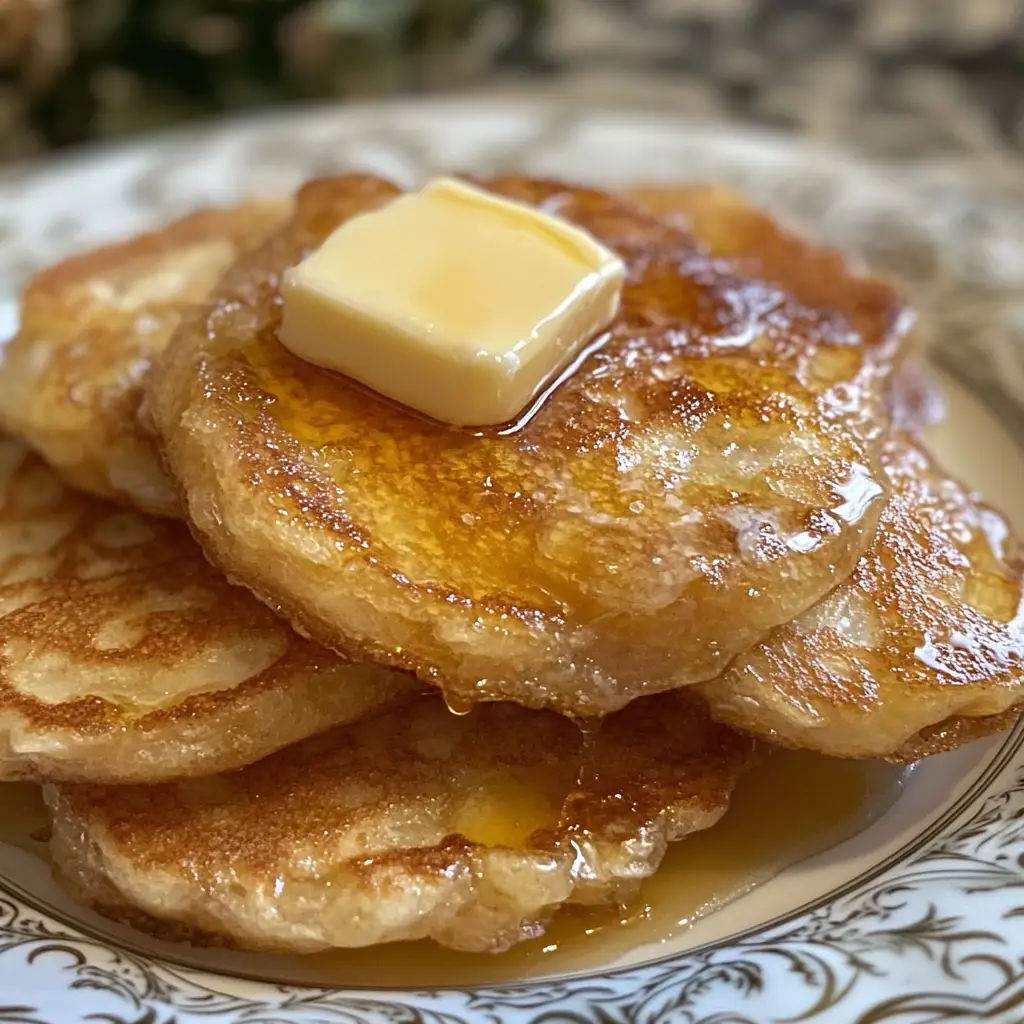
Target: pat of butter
<point>451,300</point>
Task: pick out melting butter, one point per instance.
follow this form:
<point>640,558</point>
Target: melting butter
<point>506,812</point>
<point>452,300</point>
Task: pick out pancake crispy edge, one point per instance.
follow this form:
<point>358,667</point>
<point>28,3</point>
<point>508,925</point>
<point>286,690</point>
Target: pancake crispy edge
<point>919,651</point>
<point>913,401</point>
<point>709,472</point>
<point>70,380</point>
<point>125,657</point>
<point>470,830</point>
<point>953,733</point>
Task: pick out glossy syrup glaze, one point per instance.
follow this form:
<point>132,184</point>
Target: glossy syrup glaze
<point>827,802</point>
<point>685,490</point>
<point>929,625</point>
<point>469,830</point>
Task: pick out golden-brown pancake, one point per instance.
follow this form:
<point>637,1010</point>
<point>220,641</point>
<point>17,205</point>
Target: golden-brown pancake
<point>471,830</point>
<point>952,733</point>
<point>70,382</point>
<point>913,400</point>
<point>930,625</point>
<point>707,473</point>
<point>125,657</point>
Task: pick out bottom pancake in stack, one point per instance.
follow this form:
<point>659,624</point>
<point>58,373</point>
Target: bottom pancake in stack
<point>470,830</point>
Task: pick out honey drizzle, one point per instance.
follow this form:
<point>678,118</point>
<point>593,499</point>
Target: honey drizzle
<point>539,400</point>
<point>513,426</point>
<point>588,729</point>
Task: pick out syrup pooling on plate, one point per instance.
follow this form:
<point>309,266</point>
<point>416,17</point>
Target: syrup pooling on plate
<point>24,822</point>
<point>629,537</point>
<point>828,801</point>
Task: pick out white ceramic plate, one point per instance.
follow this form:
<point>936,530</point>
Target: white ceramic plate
<point>919,917</point>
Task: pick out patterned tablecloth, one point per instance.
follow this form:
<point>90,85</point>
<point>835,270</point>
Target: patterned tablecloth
<point>926,80</point>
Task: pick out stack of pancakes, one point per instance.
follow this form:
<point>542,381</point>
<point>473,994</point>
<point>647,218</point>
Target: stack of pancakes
<point>303,669</point>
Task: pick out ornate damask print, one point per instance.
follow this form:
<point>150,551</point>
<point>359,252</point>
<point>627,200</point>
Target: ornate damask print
<point>917,79</point>
<point>937,935</point>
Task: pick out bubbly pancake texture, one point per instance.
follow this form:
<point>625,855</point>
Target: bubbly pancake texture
<point>914,402</point>
<point>470,830</point>
<point>125,657</point>
<point>709,470</point>
<point>70,381</point>
<point>929,626</point>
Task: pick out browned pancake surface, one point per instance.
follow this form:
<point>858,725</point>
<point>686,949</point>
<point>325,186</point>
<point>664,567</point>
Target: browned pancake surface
<point>706,474</point>
<point>70,383</point>
<point>471,830</point>
<point>124,656</point>
<point>914,401</point>
<point>929,626</point>
<point>952,733</point>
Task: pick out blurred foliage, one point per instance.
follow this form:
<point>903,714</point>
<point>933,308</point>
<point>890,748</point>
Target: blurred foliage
<point>71,70</point>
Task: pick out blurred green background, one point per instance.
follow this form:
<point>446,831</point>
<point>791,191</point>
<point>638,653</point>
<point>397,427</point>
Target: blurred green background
<point>941,80</point>
<point>72,70</point>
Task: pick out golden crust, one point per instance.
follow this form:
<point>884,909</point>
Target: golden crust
<point>951,734</point>
<point>913,401</point>
<point>929,626</point>
<point>124,656</point>
<point>705,475</point>
<point>470,830</point>
<point>70,382</point>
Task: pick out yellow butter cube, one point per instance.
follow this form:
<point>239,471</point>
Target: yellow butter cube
<point>452,300</point>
